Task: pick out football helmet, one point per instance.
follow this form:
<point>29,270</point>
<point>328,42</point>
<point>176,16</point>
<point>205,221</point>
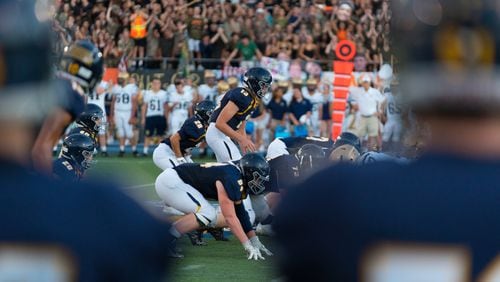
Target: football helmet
<point>79,149</point>
<point>310,157</point>
<point>91,117</point>
<point>348,138</point>
<point>204,110</point>
<point>255,170</point>
<point>258,80</point>
<point>344,153</point>
<point>82,62</point>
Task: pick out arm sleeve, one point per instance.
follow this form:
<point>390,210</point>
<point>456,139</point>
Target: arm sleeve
<point>242,215</point>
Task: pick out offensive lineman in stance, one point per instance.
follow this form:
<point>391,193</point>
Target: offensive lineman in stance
<point>186,188</point>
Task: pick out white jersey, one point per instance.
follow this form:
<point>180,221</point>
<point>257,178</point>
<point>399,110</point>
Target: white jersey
<point>155,102</point>
<point>181,102</point>
<point>123,97</point>
<point>206,92</point>
<point>98,100</point>
<point>393,108</point>
<point>316,99</point>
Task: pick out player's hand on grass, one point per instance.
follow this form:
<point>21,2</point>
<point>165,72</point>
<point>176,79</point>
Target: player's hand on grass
<point>258,245</point>
<point>253,253</point>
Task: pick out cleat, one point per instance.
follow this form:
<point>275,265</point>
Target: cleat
<point>173,251</point>
<point>135,154</point>
<point>121,154</point>
<point>104,154</point>
<point>217,233</point>
<point>196,238</point>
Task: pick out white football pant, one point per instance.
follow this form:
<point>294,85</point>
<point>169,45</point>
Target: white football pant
<point>183,197</point>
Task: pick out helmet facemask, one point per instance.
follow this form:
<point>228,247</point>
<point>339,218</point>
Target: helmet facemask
<point>256,185</point>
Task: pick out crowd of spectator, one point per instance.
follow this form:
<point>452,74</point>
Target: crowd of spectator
<point>219,31</point>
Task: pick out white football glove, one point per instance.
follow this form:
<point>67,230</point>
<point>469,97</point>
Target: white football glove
<point>253,253</point>
<point>258,245</point>
<point>181,160</point>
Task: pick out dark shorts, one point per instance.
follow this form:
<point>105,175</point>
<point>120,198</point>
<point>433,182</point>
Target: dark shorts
<point>140,42</point>
<point>155,126</point>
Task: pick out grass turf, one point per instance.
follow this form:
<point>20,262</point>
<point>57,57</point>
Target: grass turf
<point>218,261</point>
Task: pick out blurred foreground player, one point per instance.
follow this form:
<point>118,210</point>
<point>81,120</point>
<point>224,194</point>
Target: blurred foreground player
<point>435,219</point>
<point>80,69</point>
<point>76,156</point>
<point>54,231</point>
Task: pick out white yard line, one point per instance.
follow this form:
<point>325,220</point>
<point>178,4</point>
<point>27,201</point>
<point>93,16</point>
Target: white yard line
<point>139,186</point>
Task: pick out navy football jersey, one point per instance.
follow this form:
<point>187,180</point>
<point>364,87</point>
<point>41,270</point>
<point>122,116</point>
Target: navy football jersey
<point>284,173</point>
<point>203,177</point>
<point>243,99</point>
<point>63,169</point>
<point>76,231</point>
<point>69,98</point>
<point>434,218</point>
<point>192,132</point>
<point>87,132</point>
<point>293,144</point>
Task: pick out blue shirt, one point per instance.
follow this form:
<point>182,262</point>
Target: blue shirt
<point>191,133</point>
<point>245,102</point>
<point>437,202</point>
<point>278,109</point>
<point>105,234</point>
<point>299,108</point>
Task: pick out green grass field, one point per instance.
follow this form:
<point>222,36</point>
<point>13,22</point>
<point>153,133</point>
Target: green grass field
<point>218,261</point>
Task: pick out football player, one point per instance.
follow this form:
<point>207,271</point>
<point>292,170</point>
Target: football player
<point>98,97</point>
<point>187,188</point>
<point>208,90</point>
<point>229,118</point>
<point>89,122</point>
<point>154,113</point>
<point>180,105</point>
<point>80,69</point>
<point>290,145</point>
<point>435,219</point>
<point>173,151</point>
<point>76,156</point>
<point>376,157</point>
<point>123,111</point>
<point>285,172</point>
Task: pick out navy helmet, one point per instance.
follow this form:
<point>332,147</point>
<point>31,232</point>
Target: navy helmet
<point>203,110</point>
<point>310,157</point>
<point>91,117</point>
<point>82,62</point>
<point>79,149</point>
<point>258,80</point>
<point>255,170</point>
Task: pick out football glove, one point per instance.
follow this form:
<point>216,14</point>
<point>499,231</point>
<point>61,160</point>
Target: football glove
<point>253,253</point>
<point>181,160</point>
<point>259,246</point>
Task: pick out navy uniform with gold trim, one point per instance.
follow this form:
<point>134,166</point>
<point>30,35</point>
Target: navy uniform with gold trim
<point>437,218</point>
<point>247,99</point>
<point>80,69</point>
<point>76,157</point>
<point>188,136</point>
<point>186,187</point>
